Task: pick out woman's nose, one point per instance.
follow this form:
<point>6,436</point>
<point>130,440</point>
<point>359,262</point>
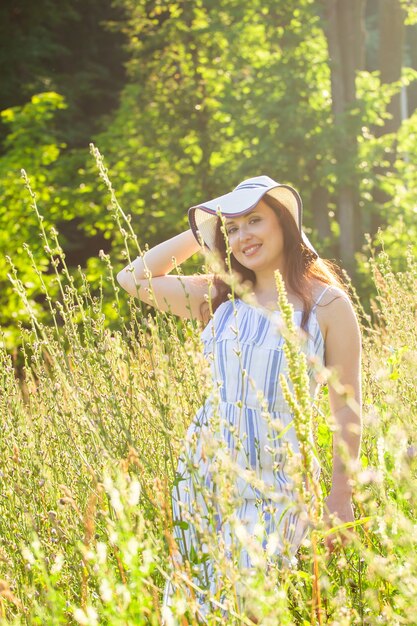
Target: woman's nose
<point>244,232</point>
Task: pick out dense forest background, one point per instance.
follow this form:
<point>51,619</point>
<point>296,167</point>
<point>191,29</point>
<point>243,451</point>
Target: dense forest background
<point>184,100</point>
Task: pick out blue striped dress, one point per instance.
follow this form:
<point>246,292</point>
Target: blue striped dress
<point>244,348</point>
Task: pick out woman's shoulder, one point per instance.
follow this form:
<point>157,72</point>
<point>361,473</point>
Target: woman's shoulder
<point>334,310</point>
<point>324,295</point>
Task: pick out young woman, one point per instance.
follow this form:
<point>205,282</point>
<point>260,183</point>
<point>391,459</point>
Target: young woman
<point>263,225</point>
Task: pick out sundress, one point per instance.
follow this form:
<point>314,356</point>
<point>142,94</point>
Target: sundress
<point>244,347</point>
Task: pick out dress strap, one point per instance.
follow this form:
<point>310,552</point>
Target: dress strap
<point>320,297</point>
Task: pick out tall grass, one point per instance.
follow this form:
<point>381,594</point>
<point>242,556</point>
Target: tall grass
<point>92,426</point>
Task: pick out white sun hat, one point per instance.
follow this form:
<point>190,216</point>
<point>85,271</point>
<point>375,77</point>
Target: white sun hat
<point>203,217</point>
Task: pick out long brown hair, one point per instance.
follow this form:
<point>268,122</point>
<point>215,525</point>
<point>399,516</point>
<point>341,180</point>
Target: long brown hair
<point>302,266</point>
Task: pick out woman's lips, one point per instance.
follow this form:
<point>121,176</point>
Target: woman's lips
<point>250,250</point>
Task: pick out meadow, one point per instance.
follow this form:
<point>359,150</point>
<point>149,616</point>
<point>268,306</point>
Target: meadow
<point>93,419</point>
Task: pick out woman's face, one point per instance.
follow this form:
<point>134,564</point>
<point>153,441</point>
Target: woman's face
<point>256,239</point>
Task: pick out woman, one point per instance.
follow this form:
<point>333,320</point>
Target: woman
<point>262,224</point>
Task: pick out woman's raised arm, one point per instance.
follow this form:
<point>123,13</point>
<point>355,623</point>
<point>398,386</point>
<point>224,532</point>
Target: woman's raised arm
<point>147,277</point>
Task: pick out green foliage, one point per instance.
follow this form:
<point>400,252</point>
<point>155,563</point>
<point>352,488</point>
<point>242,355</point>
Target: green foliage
<point>410,9</point>
<point>215,92</point>
<point>399,183</point>
<point>68,47</point>
<point>31,143</point>
<point>218,92</point>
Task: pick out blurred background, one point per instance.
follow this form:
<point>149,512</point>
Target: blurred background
<point>185,99</point>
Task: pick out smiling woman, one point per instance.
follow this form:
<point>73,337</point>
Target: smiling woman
<point>244,348</point>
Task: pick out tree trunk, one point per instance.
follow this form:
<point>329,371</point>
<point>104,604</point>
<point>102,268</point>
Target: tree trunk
<point>319,204</point>
<point>411,34</point>
<point>391,45</point>
<point>346,42</point>
<point>390,57</point>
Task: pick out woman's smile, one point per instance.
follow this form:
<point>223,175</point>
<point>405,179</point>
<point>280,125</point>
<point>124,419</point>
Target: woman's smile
<point>251,250</point>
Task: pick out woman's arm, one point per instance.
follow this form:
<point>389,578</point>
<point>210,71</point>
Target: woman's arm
<point>159,260</point>
<point>146,277</point>
<point>343,355</point>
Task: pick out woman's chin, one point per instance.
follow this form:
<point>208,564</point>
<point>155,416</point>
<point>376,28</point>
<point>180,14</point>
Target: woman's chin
<point>256,265</point>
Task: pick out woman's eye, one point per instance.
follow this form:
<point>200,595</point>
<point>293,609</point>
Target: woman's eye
<point>231,230</point>
<point>254,220</point>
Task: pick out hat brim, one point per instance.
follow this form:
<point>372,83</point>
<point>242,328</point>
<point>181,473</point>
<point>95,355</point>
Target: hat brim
<point>203,217</point>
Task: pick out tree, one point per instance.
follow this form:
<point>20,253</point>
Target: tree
<point>344,27</point>
<point>391,31</point>
<point>30,143</point>
<point>218,92</point>
<point>391,53</point>
<point>67,47</point>
<point>214,92</point>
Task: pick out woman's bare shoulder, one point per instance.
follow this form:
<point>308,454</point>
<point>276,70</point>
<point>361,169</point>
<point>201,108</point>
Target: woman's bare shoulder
<point>329,294</point>
<point>335,309</point>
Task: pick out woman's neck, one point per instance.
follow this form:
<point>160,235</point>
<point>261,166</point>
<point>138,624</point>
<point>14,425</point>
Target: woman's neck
<point>265,291</point>
<point>265,284</point>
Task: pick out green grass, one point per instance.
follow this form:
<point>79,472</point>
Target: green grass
<point>93,420</point>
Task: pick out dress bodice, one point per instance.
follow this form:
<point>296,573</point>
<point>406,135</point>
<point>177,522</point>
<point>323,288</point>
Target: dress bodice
<point>244,346</point>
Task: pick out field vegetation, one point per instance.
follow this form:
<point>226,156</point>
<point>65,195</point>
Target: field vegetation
<point>93,420</point>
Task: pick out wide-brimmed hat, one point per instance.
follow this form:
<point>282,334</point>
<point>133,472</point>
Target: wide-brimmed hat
<point>203,217</point>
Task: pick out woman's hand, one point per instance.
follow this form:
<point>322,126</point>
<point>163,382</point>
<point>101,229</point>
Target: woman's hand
<point>338,509</point>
